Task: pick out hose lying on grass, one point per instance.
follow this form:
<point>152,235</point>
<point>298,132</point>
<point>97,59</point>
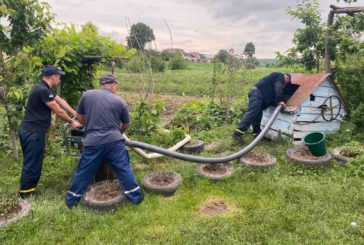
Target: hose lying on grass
<point>191,158</point>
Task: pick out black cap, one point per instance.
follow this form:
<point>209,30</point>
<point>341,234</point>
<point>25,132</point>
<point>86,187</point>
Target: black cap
<point>107,78</point>
<point>52,70</point>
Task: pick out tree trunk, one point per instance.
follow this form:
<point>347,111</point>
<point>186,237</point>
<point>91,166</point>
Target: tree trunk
<point>13,138</point>
<point>330,21</point>
<point>12,134</point>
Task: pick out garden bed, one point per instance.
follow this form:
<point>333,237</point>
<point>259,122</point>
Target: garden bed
<point>303,156</point>
<point>12,210</point>
<point>104,196</point>
<point>215,171</point>
<point>258,160</point>
<point>164,183</point>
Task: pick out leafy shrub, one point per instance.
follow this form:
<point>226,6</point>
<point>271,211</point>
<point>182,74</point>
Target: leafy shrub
<point>198,116</point>
<point>350,80</point>
<point>77,53</point>
<point>177,62</point>
<point>140,64</point>
<point>145,119</point>
<point>157,64</point>
<point>166,138</point>
<point>136,65</point>
<point>357,119</point>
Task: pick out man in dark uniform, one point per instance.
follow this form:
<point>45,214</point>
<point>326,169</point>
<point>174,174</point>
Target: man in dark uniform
<point>37,119</point>
<point>268,91</point>
<point>105,117</point>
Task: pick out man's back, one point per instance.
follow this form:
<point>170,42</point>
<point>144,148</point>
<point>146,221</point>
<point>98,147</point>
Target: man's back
<point>104,112</point>
<point>271,87</point>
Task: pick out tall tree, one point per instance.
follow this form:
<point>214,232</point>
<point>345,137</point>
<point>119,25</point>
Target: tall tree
<point>23,23</point>
<point>249,50</point>
<point>140,35</point>
<point>222,56</point>
<point>309,40</point>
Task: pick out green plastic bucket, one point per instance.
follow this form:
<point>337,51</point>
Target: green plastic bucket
<point>316,143</point>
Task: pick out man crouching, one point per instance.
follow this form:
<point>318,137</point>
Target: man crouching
<point>102,113</point>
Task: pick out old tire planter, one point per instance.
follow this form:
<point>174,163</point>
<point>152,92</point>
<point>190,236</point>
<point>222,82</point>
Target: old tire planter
<point>319,162</point>
<point>24,211</point>
<point>226,170</point>
<point>102,205</point>
<point>269,161</point>
<point>193,146</point>
<point>336,153</point>
<point>173,181</point>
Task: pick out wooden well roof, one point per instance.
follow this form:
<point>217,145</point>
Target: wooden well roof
<point>308,83</point>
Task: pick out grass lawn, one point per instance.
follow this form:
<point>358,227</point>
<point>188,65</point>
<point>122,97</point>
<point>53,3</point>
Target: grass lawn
<point>288,204</point>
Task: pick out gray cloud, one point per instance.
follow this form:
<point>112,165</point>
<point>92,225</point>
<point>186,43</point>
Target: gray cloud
<point>204,26</point>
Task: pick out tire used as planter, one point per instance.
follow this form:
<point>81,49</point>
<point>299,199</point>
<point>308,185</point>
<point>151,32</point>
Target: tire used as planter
<point>215,171</point>
<point>304,157</point>
<point>104,196</point>
<point>193,146</point>
<point>338,155</point>
<point>258,160</point>
<point>23,211</point>
<point>164,183</point>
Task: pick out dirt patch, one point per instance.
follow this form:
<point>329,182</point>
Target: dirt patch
<point>305,154</point>
<point>107,190</point>
<point>258,158</point>
<point>214,207</point>
<point>162,180</point>
<point>215,169</point>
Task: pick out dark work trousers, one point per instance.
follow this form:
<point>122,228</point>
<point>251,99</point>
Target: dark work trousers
<point>117,156</point>
<point>32,145</point>
<point>253,115</point>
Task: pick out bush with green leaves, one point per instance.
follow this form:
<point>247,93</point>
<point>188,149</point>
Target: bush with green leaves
<point>177,62</point>
<point>78,53</point>
<point>350,80</point>
<point>165,138</point>
<point>357,119</point>
<point>145,119</point>
<point>199,116</point>
<point>141,63</point>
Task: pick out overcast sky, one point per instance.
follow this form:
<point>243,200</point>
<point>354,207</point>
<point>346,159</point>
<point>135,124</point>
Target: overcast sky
<point>204,26</point>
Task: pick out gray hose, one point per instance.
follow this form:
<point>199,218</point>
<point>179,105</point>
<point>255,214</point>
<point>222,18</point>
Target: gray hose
<point>197,159</point>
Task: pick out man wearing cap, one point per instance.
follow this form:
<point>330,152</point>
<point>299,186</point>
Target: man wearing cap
<point>37,119</point>
<point>268,91</point>
<point>105,117</point>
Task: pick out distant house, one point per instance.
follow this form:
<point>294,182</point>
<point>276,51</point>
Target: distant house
<point>315,106</point>
<point>193,57</point>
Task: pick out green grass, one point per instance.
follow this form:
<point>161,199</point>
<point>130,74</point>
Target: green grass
<point>196,80</point>
<point>288,204</point>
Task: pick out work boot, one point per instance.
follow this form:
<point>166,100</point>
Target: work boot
<point>237,136</point>
<point>33,194</point>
